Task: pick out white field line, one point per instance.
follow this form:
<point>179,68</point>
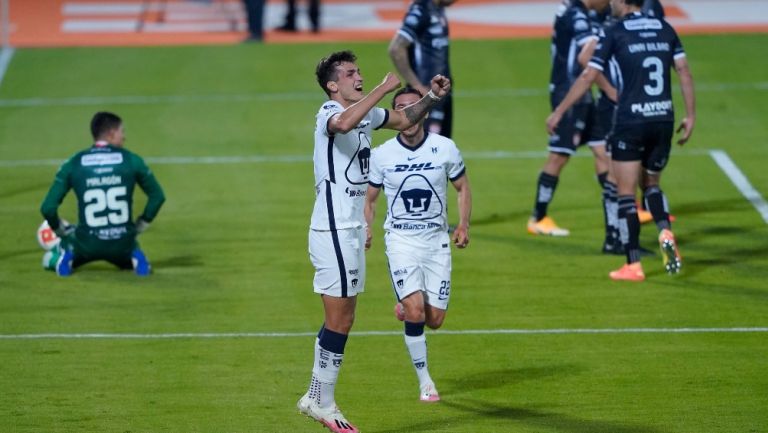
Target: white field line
<point>259,159</point>
<point>6,54</point>
<point>212,335</point>
<point>742,183</point>
<point>305,96</point>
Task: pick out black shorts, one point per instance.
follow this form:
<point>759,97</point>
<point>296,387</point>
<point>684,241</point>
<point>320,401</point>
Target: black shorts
<point>569,134</point>
<point>649,143</point>
<point>600,123</point>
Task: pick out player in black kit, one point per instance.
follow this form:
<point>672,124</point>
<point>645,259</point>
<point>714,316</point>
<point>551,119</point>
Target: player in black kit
<point>645,49</point>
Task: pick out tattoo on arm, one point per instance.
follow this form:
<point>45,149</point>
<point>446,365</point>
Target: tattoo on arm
<point>416,111</point>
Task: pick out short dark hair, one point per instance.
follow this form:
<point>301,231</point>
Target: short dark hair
<point>326,69</point>
<point>405,90</point>
<point>635,2</point>
<point>103,122</point>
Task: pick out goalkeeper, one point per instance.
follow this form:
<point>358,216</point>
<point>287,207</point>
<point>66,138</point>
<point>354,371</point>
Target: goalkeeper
<point>103,178</point>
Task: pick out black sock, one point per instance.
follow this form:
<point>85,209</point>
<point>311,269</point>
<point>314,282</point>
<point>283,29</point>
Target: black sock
<point>630,227</point>
<point>656,202</point>
<point>545,190</point>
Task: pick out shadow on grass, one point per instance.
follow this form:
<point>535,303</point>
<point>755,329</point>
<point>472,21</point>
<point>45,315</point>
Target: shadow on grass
<point>718,206</point>
<point>479,412</point>
<point>505,377</point>
<point>188,261</point>
<point>496,218</point>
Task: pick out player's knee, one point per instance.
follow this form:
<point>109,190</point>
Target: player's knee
<point>435,321</point>
<point>414,311</point>
<point>341,323</point>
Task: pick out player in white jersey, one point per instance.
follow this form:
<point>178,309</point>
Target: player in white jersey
<point>337,232</point>
<point>414,169</point>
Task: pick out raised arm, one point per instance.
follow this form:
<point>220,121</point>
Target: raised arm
<point>461,233</point>
<point>440,86</point>
<point>398,52</point>
<point>351,117</point>
<point>686,86</point>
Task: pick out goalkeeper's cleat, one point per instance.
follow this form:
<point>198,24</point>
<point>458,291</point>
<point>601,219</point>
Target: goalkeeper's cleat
<point>399,311</point>
<point>546,226</point>
<point>669,252</point>
<point>428,393</point>
<point>628,272</point>
<point>140,263</point>
<point>64,264</point>
<point>330,417</point>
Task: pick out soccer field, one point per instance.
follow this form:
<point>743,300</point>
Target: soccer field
<point>219,338</point>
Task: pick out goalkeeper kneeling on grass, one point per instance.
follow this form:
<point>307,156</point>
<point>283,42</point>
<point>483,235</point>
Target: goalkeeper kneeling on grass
<point>103,178</point>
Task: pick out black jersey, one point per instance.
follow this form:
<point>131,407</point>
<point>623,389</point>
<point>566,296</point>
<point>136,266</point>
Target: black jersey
<point>644,49</point>
<point>426,27</point>
<point>601,21</point>
<point>572,29</point>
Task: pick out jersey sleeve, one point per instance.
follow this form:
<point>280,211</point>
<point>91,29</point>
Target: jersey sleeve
<point>375,173</point>
<point>603,50</point>
<point>59,189</point>
<point>677,46</point>
<point>455,167</point>
<point>379,117</point>
<point>149,184</point>
<point>327,111</point>
<point>416,22</point>
<point>581,28</point>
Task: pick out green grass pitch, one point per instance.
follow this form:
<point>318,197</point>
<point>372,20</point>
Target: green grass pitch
<point>230,256</point>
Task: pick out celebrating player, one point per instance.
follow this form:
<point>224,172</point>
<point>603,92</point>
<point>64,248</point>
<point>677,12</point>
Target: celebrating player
<point>337,232</point>
<point>103,177</point>
<point>645,49</point>
<point>414,168</point>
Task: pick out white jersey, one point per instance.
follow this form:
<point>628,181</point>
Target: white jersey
<point>341,169</point>
<point>415,182</point>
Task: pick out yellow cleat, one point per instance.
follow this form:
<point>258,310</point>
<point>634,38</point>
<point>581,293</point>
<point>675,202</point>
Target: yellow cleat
<point>669,252</point>
<point>546,226</point>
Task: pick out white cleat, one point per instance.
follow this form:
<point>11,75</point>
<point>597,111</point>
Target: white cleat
<point>429,393</point>
<point>330,417</point>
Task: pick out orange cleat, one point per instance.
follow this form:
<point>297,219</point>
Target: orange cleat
<point>628,272</point>
<point>546,226</point>
<point>644,216</point>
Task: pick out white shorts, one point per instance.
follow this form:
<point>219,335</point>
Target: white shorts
<point>339,260</point>
<point>416,267</point>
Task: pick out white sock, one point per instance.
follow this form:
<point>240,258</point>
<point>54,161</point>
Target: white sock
<point>417,347</point>
<point>326,373</point>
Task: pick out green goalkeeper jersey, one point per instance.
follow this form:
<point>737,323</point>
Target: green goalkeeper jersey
<point>103,178</point>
